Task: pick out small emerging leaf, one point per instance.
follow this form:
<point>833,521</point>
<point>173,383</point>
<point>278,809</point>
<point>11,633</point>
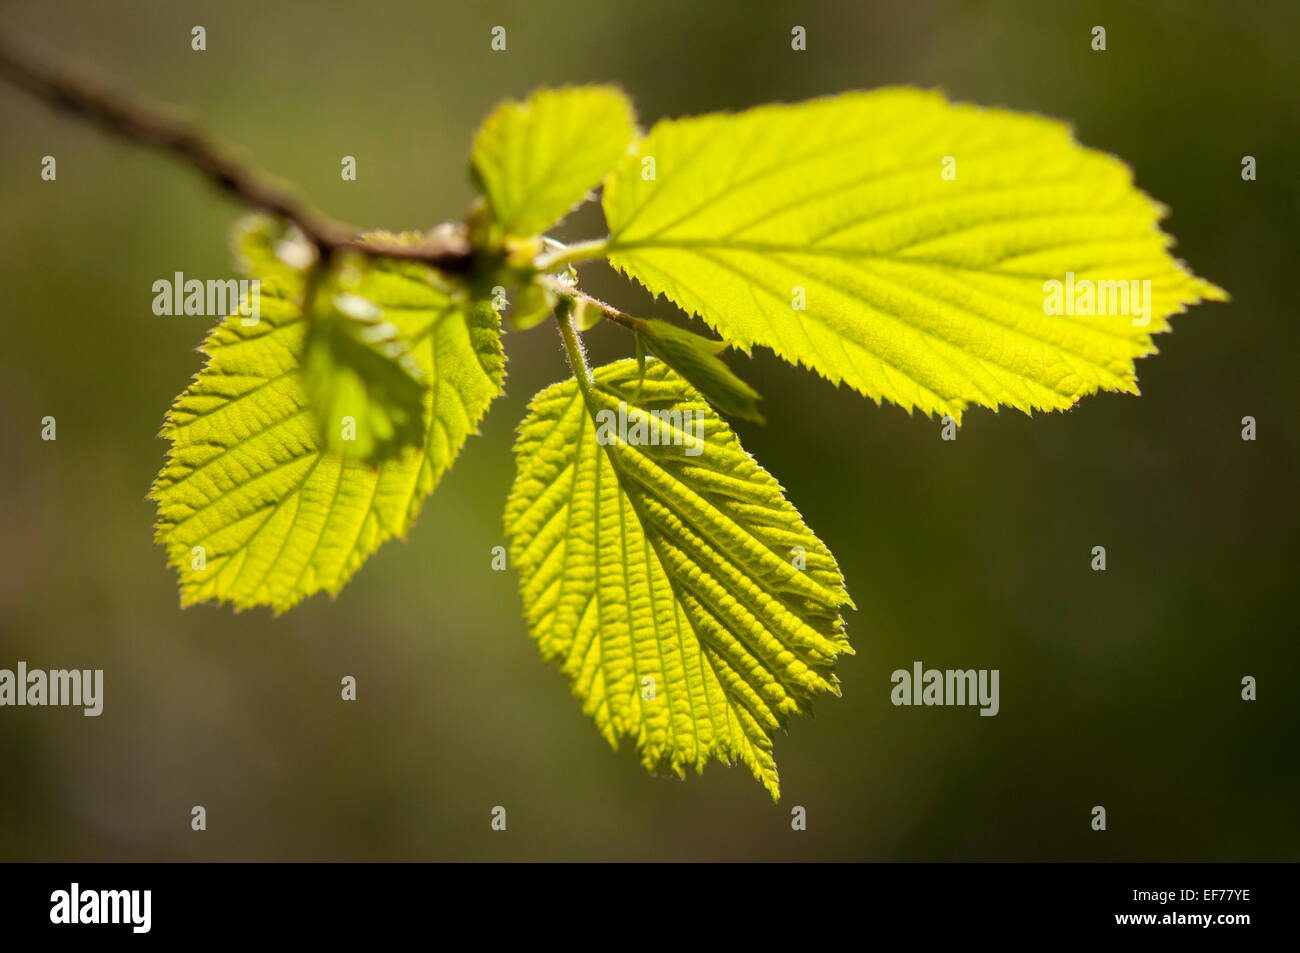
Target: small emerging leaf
<point>686,600</point>
<point>585,314</point>
<point>532,305</point>
<point>696,359</point>
<point>536,160</point>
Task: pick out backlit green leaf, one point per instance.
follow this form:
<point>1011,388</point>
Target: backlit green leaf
<point>661,572</point>
<point>536,160</point>
<point>901,244</point>
<point>251,510</point>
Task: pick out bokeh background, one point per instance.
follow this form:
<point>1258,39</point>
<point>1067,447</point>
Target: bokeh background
<point>1119,688</point>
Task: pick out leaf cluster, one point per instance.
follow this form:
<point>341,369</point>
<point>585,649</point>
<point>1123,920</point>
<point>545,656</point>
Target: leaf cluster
<point>892,241</point>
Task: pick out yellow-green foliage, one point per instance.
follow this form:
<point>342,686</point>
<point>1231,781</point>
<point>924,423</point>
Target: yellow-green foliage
<point>890,240</point>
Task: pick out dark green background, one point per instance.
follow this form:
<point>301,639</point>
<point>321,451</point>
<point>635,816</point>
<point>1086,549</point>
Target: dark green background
<point>1118,688</point>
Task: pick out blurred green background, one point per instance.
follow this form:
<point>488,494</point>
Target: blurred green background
<point>1119,688</point>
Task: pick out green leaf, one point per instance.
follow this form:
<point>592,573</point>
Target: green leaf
<point>923,290</point>
<point>277,517</point>
<point>670,561</point>
<point>364,385</point>
<point>696,359</point>
<point>536,160</point>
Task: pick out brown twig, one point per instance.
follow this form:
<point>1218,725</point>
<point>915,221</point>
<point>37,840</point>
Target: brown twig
<point>445,248</point>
